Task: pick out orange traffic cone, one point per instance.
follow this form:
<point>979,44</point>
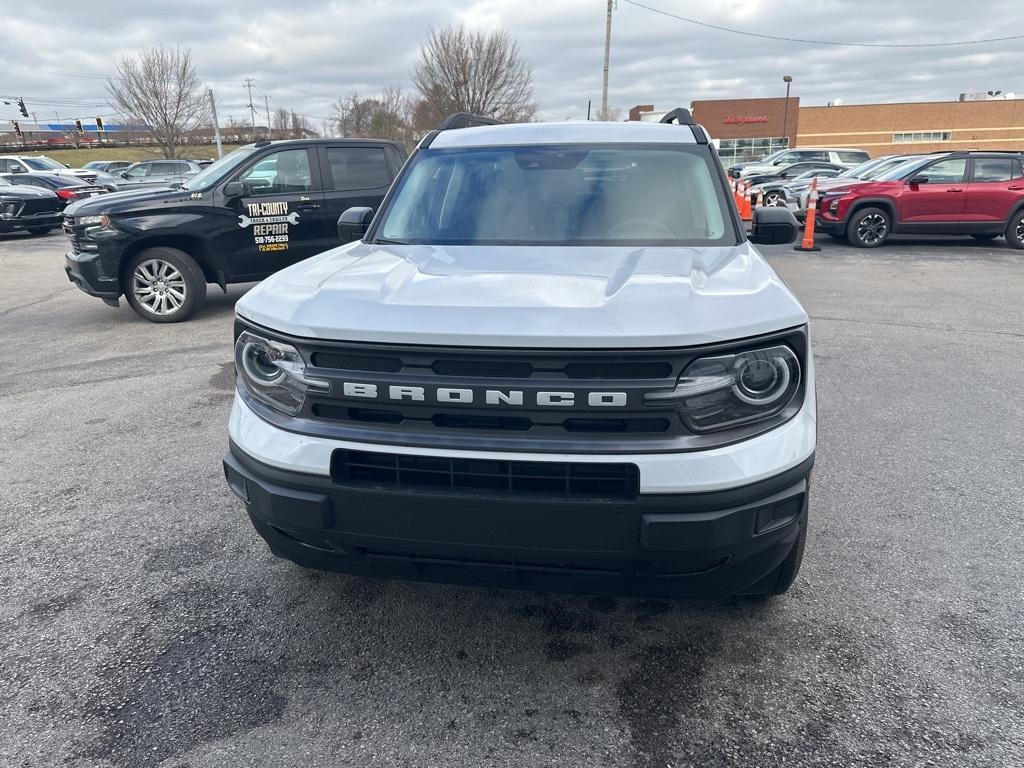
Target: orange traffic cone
<point>745,211</point>
<point>812,210</point>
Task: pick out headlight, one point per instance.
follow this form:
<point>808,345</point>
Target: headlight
<point>92,221</point>
<point>733,390</point>
<point>274,373</point>
<point>8,208</point>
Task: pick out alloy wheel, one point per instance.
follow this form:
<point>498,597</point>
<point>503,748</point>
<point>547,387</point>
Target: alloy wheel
<point>773,198</point>
<point>1020,231</point>
<point>872,229</point>
<point>159,287</point>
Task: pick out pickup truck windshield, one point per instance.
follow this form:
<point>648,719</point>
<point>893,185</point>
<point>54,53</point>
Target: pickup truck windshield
<point>213,173</point>
<point>558,195</point>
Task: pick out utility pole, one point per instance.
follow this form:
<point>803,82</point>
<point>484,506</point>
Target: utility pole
<point>788,80</point>
<point>266,103</point>
<point>216,125</point>
<point>607,55</point>
<point>252,109</point>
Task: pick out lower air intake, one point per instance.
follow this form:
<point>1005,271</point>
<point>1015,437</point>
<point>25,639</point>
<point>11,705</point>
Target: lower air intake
<point>556,480</point>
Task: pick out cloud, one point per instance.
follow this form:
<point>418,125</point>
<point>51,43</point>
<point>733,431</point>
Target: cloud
<point>305,55</point>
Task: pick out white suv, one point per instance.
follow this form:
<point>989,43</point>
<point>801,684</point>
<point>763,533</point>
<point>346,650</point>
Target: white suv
<point>553,360</point>
<point>845,157</point>
<point>28,163</point>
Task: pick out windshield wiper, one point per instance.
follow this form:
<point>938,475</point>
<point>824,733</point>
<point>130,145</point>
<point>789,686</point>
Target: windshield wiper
<point>385,241</point>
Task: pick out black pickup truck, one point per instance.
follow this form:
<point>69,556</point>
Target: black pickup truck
<point>259,209</point>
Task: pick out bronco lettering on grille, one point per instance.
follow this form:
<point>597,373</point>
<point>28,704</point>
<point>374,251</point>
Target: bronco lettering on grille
<point>510,397</point>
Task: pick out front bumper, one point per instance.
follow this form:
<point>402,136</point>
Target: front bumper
<point>686,541</point>
<point>45,219</point>
<point>86,270</point>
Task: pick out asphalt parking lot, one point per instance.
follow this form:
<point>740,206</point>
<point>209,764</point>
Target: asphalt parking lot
<point>144,623</point>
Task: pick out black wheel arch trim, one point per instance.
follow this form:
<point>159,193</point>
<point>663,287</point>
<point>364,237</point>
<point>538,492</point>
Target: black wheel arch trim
<point>873,202</point>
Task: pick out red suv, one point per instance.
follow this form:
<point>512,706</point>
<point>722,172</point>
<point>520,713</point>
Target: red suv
<point>980,194</point>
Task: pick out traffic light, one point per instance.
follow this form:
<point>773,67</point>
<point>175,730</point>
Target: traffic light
<point>17,128</point>
<point>99,124</point>
<point>22,107</point>
<point>78,126</point>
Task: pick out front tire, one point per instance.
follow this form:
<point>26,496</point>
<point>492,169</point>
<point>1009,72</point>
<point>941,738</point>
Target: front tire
<point>38,230</point>
<point>774,198</point>
<point>869,227</point>
<point>1015,232</point>
<point>164,285</point>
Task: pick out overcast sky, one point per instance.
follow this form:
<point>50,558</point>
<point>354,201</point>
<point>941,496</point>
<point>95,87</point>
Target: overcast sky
<point>303,55</point>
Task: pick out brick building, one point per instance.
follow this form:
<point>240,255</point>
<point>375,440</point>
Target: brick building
<point>751,128</point>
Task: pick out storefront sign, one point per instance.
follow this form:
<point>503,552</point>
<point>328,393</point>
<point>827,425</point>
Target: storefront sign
<point>739,119</point>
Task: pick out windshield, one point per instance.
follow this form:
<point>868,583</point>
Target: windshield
<point>595,195</point>
<point>211,174</point>
<point>900,170</point>
<point>42,163</point>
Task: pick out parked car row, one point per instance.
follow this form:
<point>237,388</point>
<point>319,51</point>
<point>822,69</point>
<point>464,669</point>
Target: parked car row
<point>112,175</point>
<point>844,157</point>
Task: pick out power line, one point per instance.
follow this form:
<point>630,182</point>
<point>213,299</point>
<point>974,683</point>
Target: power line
<point>821,42</point>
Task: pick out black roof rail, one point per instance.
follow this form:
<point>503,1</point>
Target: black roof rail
<point>679,116</point>
<point>466,120</point>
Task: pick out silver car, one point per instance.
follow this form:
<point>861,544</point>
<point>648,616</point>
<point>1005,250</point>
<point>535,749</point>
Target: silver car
<point>157,173</point>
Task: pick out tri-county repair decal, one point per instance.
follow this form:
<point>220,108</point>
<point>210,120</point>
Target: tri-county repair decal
<point>269,223</point>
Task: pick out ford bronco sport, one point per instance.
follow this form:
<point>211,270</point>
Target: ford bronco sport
<point>551,360</point>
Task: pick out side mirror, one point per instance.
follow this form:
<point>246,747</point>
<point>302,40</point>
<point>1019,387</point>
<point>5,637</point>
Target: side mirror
<point>124,174</point>
<point>918,180</point>
<point>773,226</point>
<point>353,223</point>
<point>235,189</point>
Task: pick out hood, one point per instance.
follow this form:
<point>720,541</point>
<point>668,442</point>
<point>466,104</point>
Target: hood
<point>517,296</point>
<point>122,202</point>
<point>22,191</point>
<point>862,186</point>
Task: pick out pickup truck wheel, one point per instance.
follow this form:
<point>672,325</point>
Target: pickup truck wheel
<point>38,230</point>
<point>164,285</point>
<point>868,228</point>
<point>1015,232</point>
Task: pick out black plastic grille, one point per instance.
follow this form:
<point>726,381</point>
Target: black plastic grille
<point>493,422</point>
<point>494,367</point>
<point>348,362</point>
<point>40,206</point>
<point>487,477</point>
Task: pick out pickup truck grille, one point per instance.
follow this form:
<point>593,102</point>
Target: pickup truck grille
<point>487,477</point>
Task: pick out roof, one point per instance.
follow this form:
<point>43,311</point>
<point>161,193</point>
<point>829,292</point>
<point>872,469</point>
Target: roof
<point>578,132</point>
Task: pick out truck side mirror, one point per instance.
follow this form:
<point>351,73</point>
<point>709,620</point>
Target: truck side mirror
<point>773,226</point>
<point>353,223</point>
<point>235,189</point>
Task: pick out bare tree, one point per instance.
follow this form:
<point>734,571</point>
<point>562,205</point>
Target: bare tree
<point>613,115</point>
<point>300,126</point>
<point>160,92</point>
<point>281,124</point>
<point>385,116</point>
<point>478,72</point>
